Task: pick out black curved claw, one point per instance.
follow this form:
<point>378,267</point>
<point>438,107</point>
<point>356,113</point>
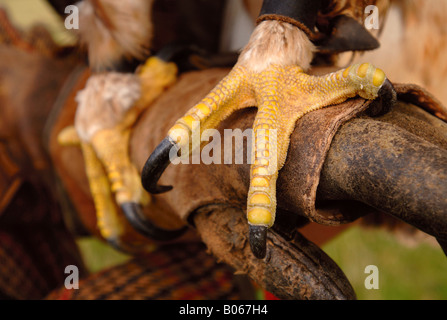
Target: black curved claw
<point>258,240</point>
<point>388,94</point>
<point>139,221</point>
<point>155,166</point>
<point>387,98</point>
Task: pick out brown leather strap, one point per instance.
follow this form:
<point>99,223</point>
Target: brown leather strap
<point>302,14</point>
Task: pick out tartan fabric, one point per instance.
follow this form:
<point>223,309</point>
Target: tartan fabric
<point>35,246</point>
<point>33,260</point>
<point>175,272</point>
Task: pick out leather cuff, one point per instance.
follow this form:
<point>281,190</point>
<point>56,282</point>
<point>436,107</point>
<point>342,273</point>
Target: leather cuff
<point>300,13</point>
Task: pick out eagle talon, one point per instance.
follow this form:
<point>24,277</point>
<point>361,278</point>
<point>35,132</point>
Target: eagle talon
<point>387,98</point>
<point>283,93</point>
<point>137,219</point>
<point>156,165</point>
<point>108,107</point>
<point>258,240</point>
<point>388,95</point>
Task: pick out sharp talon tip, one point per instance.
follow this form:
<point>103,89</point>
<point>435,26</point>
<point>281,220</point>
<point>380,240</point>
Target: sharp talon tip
<point>258,240</point>
<point>387,98</point>
<point>388,92</point>
<point>144,226</point>
<point>160,189</point>
<point>155,165</point>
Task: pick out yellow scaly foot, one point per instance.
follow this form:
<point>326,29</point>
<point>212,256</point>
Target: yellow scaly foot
<point>268,75</point>
<point>107,109</point>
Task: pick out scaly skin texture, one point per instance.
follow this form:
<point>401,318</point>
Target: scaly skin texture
<point>102,130</point>
<point>108,220</point>
<point>110,223</point>
<point>283,94</point>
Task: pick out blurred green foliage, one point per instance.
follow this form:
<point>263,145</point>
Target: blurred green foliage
<point>418,272</point>
<point>98,255</point>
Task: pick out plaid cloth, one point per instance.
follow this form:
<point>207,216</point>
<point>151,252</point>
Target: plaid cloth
<point>174,272</point>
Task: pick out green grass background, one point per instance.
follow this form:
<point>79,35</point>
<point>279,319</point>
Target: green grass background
<point>411,273</point>
<point>416,272</point>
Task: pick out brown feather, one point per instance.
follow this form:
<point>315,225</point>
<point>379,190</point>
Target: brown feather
<point>352,8</point>
<point>112,30</point>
